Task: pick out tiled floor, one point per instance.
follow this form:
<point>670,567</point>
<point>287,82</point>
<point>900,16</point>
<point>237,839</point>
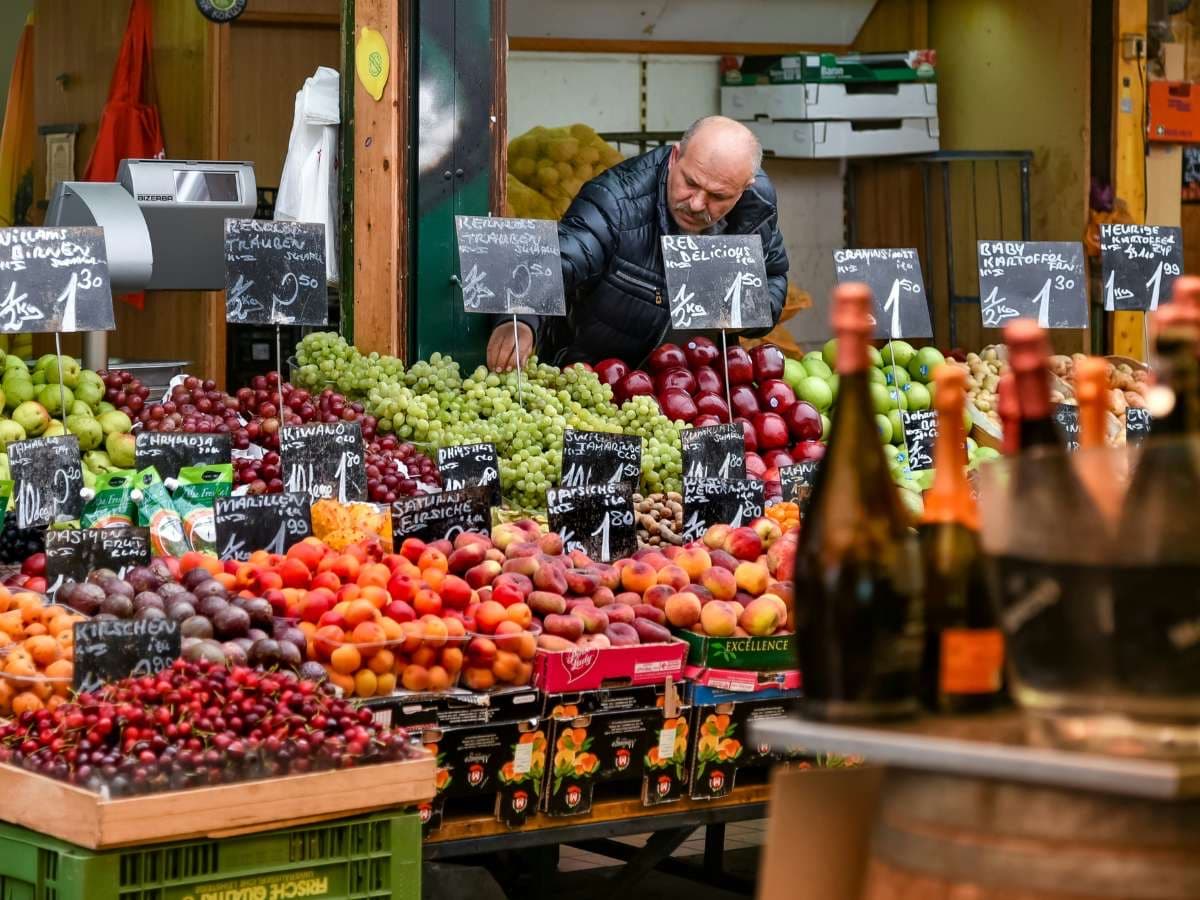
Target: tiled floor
<point>738,835</point>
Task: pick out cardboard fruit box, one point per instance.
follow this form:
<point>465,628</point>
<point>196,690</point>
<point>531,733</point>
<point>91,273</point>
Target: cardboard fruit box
<point>85,818</point>
<point>761,654</point>
<point>741,680</point>
<point>587,668</point>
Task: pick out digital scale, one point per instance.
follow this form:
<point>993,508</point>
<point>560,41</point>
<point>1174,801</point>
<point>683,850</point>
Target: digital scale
<point>163,221</point>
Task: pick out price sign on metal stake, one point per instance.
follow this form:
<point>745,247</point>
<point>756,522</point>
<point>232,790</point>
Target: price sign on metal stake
<point>1139,265</point>
<point>894,277</point>
<point>1041,280</point>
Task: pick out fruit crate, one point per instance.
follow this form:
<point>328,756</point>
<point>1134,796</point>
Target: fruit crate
<point>364,858</point>
<point>762,654</point>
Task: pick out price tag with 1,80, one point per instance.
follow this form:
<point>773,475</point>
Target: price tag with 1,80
<point>710,501</point>
<point>597,519</point>
<point>324,460</point>
<point>714,451</point>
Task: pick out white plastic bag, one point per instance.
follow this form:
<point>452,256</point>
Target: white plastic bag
<point>308,189</point>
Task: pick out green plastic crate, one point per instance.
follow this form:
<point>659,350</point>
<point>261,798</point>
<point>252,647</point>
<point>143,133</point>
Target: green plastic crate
<point>376,857</point>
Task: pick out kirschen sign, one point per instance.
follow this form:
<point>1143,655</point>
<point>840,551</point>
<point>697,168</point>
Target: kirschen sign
<point>1041,280</point>
<point>1139,264</point>
<point>894,277</point>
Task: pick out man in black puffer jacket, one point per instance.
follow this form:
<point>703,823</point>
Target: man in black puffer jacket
<point>711,182</point>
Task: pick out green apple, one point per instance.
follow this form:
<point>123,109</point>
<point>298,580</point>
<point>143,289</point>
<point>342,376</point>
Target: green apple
<point>826,425</point>
<point>895,376</point>
<point>918,395</point>
<point>874,357</point>
<point>816,391</point>
<point>972,447</point>
<point>813,365</point>
<point>829,353</point>
<point>922,366</point>
<point>897,398</point>
<point>897,427</point>
<point>898,353</point>
<point>986,453</point>
<point>794,372</point>
<point>876,376</point>
<point>832,381</point>
<point>879,398</point>
<point>884,424</point>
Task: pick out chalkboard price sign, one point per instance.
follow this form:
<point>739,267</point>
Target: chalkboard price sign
<point>445,515</point>
<point>894,277</point>
<point>75,552</point>
<point>709,501</point>
<point>170,451</point>
<point>796,481</point>
<point>324,459</point>
<point>1139,265</point>
<point>275,273</point>
<point>510,266</point>
<point>47,478</point>
<point>271,522</point>
<point>470,465</point>
<point>54,279</point>
<point>595,518</point>
<point>598,457</point>
<point>1137,425</point>
<point>715,451</point>
<point>920,435</point>
<point>717,282</point>
<point>1042,280</point>
<point>1066,416</point>
<point>108,650</point>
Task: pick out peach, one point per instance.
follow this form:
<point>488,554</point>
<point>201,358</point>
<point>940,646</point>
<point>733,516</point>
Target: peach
<point>480,651</point>
<point>609,576</point>
<point>638,576</point>
<point>743,543</point>
<point>551,543</point>
<point>683,610</point>
<point>489,615</point>
<point>551,577</point>
<point>456,593</point>
<point>522,565</point>
<point>674,576</point>
<point>654,559</point>
<point>702,593</point>
<point>545,603</point>
<point>426,602</point>
<point>594,620</point>
<point>628,597</point>
<point>721,583</point>
<point>780,605</point>
<point>442,546</point>
<point>554,643</point>
<point>718,619</point>
<point>779,553</point>
<point>646,611</point>
<point>650,632</point>
<point>671,551</point>
<point>620,634</point>
<point>465,558</point>
<point>568,628</point>
<point>603,597</point>
<point>483,574</point>
<point>768,530</point>
<point>761,617</point>
<point>495,555</point>
<point>582,581</point>
<point>430,559</point>
<point>723,560</point>
<point>695,561</point>
<point>574,603</point>
<point>740,632</point>
<point>484,593</point>
<point>752,577</point>
<point>434,631</point>
<point>619,612</point>
<point>738,608</point>
<point>522,548</point>
<point>507,533</point>
<point>714,538</point>
<point>595,641</point>
<point>580,559</point>
<point>470,539</point>
<point>479,679</point>
<point>657,596</point>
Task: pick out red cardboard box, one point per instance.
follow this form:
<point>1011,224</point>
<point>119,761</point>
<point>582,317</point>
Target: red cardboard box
<point>587,668</point>
<point>743,681</point>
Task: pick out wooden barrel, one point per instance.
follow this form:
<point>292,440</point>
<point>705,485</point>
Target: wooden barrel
<point>940,837</point>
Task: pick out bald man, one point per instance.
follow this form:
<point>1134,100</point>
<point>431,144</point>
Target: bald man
<point>711,182</point>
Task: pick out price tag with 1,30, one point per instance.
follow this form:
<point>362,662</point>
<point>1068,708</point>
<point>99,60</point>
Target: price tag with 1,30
<point>1042,280</point>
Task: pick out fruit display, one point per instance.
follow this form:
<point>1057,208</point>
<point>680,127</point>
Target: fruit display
<point>197,724</point>
<point>785,514</point>
<point>37,652</point>
<point>339,525</point>
<point>19,544</point>
<point>659,519</point>
<point>551,165</point>
<point>431,405</point>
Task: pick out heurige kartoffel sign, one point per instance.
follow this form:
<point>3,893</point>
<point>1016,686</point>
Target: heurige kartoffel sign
<point>1041,280</point>
<point>1139,264</point>
<point>894,277</point>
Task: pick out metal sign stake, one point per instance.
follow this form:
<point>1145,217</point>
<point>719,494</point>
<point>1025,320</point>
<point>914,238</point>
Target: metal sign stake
<point>62,394</point>
<point>725,361</point>
<point>279,357</point>
<point>517,351</point>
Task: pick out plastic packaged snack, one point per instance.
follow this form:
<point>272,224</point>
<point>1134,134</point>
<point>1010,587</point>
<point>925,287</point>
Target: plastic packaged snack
<point>111,504</point>
<point>197,491</point>
<point>157,512</point>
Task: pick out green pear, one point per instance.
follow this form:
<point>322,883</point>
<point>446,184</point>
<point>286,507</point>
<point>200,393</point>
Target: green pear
<point>122,449</point>
<point>104,406</point>
<point>10,431</point>
<point>55,397</point>
<point>114,422</point>
<point>44,361</point>
<point>97,462</point>
<point>38,377</point>
<point>55,429</point>
<point>17,387</point>
<point>15,364</point>
<point>63,370</point>
<point>31,416</point>
<point>79,408</point>
<point>87,429</point>
<point>89,391</point>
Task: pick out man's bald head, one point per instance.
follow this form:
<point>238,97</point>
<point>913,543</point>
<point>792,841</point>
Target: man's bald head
<point>714,162</point>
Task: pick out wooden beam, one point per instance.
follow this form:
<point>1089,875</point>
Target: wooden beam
<point>499,107</point>
<point>381,187</point>
<point>292,19</point>
<point>707,48</point>
<point>216,73</point>
<point>1129,168</point>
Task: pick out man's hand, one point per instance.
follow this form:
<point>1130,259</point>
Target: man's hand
<point>502,346</point>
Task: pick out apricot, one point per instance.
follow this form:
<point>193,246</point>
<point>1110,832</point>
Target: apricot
<point>439,679</point>
<point>365,683</point>
<point>375,574</point>
<point>26,702</point>
<point>345,682</point>
<point>452,660</point>
<point>415,678</point>
<point>345,659</point>
<point>479,679</point>
<point>370,633</point>
<point>358,611</point>
<point>505,666</point>
<point>434,631</point>
<point>432,559</point>
<point>44,649</point>
<point>385,684</point>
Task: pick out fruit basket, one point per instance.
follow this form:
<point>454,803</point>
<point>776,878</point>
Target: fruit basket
<point>374,658</point>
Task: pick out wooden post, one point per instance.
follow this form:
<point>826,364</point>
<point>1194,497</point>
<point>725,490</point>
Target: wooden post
<point>381,187</point>
<point>1129,170</point>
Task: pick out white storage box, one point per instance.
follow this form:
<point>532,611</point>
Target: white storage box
<point>877,100</point>
<point>832,140</point>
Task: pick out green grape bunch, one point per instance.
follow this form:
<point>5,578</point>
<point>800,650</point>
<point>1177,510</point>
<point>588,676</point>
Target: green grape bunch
<point>432,404</point>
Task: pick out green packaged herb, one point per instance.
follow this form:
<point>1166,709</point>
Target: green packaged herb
<point>111,504</point>
<point>197,491</point>
<point>157,512</point>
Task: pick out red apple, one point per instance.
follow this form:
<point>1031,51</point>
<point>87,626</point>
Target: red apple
<point>806,450</point>
<point>777,459</point>
<point>741,370</point>
<point>775,395</point>
<point>803,421</point>
<point>611,370</point>
<point>666,356</point>
<point>678,405</point>
<point>772,431</point>
<point>768,362</point>
<point>755,467</point>
<point>711,404</point>
<point>704,420</point>
<point>636,384</point>
<point>675,377</point>
<point>743,401</point>
<point>708,379</point>
<point>700,351</point>
<point>749,432</point>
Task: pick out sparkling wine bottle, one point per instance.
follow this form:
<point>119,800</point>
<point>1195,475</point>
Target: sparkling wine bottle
<point>963,663</point>
<point>858,575</point>
<point>1095,464</point>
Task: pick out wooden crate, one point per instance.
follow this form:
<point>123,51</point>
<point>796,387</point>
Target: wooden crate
<point>73,814</point>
